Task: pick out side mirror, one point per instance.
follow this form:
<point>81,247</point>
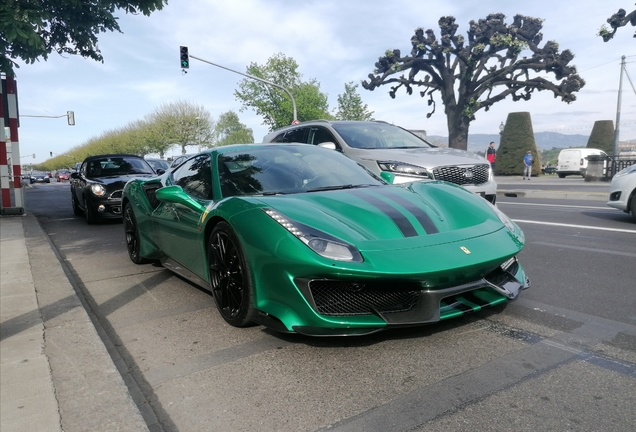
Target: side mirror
<point>328,145</point>
<point>160,171</point>
<point>75,175</point>
<point>175,194</point>
<point>387,176</point>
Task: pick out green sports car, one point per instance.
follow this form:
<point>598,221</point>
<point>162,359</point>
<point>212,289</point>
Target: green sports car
<point>300,238</point>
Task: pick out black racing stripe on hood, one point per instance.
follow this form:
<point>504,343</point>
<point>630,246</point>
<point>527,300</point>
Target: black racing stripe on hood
<point>408,230</point>
<point>420,215</point>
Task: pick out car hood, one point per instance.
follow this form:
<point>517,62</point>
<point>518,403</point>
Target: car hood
<point>385,217</point>
<point>424,157</point>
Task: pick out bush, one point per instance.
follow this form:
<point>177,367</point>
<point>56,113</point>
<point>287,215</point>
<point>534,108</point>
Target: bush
<point>517,138</point>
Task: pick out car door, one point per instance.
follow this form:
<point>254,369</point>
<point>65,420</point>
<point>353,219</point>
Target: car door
<point>178,227</point>
<point>78,185</point>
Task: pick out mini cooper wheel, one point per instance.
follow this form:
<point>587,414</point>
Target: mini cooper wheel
<point>76,210</point>
<point>131,231</point>
<point>230,279</point>
<point>89,212</point>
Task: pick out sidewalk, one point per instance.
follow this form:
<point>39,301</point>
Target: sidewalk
<point>55,371</point>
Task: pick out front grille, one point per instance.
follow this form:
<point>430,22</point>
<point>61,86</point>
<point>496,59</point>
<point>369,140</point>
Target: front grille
<point>466,175</point>
<point>336,298</point>
<point>117,194</point>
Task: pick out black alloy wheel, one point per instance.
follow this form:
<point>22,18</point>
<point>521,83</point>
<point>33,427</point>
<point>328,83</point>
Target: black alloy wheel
<point>131,231</point>
<point>89,212</point>
<point>230,279</point>
<point>76,210</point>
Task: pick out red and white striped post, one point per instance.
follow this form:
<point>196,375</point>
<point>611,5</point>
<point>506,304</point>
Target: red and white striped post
<point>9,110</point>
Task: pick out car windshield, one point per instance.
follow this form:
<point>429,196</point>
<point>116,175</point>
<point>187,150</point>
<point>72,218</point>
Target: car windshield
<point>38,174</point>
<point>158,164</point>
<point>370,135</point>
<point>117,166</point>
<point>288,169</point>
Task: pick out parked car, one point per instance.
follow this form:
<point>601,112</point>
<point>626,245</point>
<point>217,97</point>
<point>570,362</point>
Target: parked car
<point>39,177</point>
<point>63,175</point>
<point>96,188</point>
<point>302,239</point>
<point>573,161</point>
<point>179,159</point>
<point>159,164</point>
<point>623,191</point>
<point>384,147</point>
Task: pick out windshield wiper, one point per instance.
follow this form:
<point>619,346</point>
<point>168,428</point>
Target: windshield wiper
<point>339,187</point>
<point>274,193</point>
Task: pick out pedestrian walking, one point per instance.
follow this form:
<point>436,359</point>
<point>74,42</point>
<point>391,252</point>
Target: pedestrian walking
<point>491,155</point>
<point>527,165</point>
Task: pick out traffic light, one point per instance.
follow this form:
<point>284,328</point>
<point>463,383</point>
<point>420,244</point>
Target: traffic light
<point>185,57</point>
<point>51,154</point>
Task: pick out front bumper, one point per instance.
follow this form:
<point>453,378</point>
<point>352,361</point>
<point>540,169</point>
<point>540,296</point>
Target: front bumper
<point>107,208</point>
<point>347,308</point>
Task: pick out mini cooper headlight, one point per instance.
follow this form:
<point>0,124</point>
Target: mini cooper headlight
<point>322,243</point>
<point>98,189</point>
<point>404,169</point>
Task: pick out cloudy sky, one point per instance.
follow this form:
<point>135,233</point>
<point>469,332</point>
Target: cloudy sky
<point>333,41</point>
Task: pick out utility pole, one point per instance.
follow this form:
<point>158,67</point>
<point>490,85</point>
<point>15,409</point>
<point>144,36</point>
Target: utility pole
<point>618,109</point>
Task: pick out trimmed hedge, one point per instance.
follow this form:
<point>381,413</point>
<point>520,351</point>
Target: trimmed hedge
<point>517,138</point>
<point>602,136</point>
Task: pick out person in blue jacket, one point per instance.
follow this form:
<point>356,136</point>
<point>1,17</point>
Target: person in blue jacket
<point>527,165</point>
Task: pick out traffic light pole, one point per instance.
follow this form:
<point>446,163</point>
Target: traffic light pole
<point>70,115</point>
<point>295,120</point>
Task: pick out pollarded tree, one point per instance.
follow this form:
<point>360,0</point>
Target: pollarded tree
<point>32,29</point>
<point>476,73</point>
<point>350,105</point>
<point>619,19</point>
<point>273,103</point>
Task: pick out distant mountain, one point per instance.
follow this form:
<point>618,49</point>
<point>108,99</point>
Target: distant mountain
<point>544,140</point>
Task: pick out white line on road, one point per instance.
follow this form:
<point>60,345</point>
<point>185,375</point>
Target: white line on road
<point>575,226</point>
<point>555,205</point>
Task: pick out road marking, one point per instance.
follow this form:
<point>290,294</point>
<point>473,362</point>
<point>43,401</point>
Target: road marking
<point>575,226</point>
<point>555,205</point>
<point>587,249</point>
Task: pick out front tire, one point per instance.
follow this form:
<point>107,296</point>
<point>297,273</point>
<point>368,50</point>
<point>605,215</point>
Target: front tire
<point>632,207</point>
<point>131,231</point>
<point>230,278</point>
<point>561,175</point>
<point>76,210</point>
<point>89,213</point>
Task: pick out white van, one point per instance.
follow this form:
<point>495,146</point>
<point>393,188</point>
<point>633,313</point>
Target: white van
<point>574,160</point>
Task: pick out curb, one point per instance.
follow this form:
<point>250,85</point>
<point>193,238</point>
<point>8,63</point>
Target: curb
<point>90,390</point>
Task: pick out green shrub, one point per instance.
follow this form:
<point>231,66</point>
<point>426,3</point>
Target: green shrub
<point>517,138</point>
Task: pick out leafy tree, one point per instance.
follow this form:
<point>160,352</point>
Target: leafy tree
<point>619,19</point>
<point>273,103</point>
<point>350,106</point>
<point>229,130</point>
<point>32,29</point>
<point>184,124</point>
<point>517,138</point>
<point>475,73</point>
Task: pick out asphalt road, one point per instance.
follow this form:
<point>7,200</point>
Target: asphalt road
<point>562,357</point>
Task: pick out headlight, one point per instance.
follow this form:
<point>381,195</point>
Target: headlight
<point>321,243</point>
<point>98,189</point>
<point>404,169</point>
<point>630,169</point>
